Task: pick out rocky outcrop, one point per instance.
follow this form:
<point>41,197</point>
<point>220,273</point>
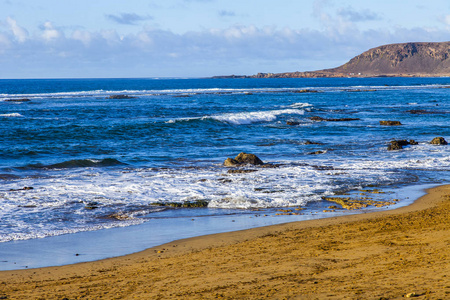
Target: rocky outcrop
<point>399,144</point>
<point>243,159</point>
<point>390,123</point>
<point>438,141</point>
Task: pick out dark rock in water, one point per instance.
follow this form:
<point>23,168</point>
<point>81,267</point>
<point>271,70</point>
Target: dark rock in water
<point>118,216</point>
<point>395,145</point>
<point>324,168</point>
<point>18,100</point>
<point>320,119</point>
<point>247,158</point>
<point>90,207</point>
<point>305,91</point>
<point>240,171</point>
<point>317,119</point>
<point>229,162</point>
<point>424,112</point>
<point>316,152</point>
<point>399,144</point>
<point>26,188</point>
<point>186,204</point>
<point>292,123</point>
<point>307,142</point>
<point>402,142</point>
<point>439,141</point>
<point>120,97</point>
<point>390,123</point>
<point>243,159</point>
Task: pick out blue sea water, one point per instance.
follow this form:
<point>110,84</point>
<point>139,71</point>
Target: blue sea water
<point>72,159</point>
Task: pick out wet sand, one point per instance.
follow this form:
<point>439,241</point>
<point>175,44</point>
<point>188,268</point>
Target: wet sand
<point>391,254</point>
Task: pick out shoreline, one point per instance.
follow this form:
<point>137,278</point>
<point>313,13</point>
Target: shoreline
<point>88,246</point>
<point>390,253</point>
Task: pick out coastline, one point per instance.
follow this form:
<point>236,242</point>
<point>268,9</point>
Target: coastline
<point>390,253</point>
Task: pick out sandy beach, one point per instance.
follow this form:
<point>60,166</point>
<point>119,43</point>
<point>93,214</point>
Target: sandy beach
<point>383,255</point>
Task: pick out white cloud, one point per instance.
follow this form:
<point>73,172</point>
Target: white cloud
<point>83,36</point>
<point>20,33</point>
<point>49,32</point>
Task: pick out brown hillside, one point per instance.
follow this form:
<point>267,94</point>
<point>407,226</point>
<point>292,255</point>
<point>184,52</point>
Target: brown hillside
<point>403,60</point>
<point>421,59</point>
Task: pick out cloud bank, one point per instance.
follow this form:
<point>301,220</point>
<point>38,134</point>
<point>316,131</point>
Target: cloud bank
<point>49,51</point>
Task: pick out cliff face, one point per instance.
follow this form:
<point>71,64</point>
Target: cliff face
<point>408,59</point>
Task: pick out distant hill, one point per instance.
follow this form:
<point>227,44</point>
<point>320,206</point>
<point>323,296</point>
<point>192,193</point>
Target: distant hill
<point>404,60</point>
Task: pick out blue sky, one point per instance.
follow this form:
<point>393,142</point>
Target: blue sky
<point>198,38</point>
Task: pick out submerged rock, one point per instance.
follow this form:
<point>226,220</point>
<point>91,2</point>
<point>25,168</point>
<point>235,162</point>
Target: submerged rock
<point>292,123</point>
<point>316,152</point>
<point>26,188</point>
<point>305,91</point>
<point>320,119</point>
<point>390,123</point>
<point>438,141</point>
<point>307,142</point>
<point>120,97</point>
<point>18,100</point>
<point>241,171</point>
<point>243,159</point>
<point>394,146</point>
<point>185,204</point>
<point>399,144</point>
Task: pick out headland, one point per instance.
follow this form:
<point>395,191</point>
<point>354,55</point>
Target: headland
<point>394,60</point>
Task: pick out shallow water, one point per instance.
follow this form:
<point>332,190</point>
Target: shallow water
<point>162,228</point>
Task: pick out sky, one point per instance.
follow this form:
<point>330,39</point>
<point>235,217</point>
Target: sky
<point>201,38</point>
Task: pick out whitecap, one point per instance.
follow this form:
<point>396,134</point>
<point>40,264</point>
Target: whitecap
<point>11,115</point>
<point>300,105</point>
<point>245,118</point>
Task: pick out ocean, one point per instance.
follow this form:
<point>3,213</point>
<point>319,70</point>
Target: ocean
<point>75,157</point>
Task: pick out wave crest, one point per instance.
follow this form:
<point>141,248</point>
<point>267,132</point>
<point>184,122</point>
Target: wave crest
<point>11,115</point>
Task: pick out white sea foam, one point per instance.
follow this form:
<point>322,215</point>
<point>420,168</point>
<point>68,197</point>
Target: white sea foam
<point>245,118</point>
<point>106,93</point>
<point>300,105</point>
<point>11,115</point>
<point>66,193</point>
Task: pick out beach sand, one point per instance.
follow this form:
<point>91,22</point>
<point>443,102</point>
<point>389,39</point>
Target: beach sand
<point>391,254</point>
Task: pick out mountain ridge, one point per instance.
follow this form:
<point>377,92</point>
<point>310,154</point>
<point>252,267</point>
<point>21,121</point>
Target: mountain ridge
<point>414,59</point>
